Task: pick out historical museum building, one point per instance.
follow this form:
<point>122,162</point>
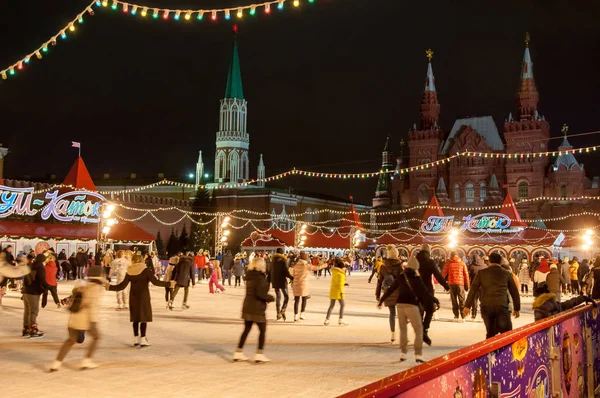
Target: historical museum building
<point>472,181</point>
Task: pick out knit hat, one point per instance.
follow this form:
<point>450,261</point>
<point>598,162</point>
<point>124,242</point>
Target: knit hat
<point>258,264</point>
<point>392,252</point>
<point>426,248</point>
<point>413,263</point>
<point>95,272</point>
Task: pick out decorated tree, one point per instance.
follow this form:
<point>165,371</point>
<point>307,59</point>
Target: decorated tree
<point>173,246</point>
<point>160,245</point>
<point>202,235</point>
<point>183,239</point>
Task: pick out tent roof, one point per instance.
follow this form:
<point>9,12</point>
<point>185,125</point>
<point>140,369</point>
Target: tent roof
<point>79,177</point>
<point>509,209</point>
<point>123,231</point>
<point>435,211</point>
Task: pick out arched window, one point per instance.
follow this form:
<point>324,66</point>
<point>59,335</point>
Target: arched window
<point>482,192</point>
<point>456,193</point>
<point>563,192</point>
<point>315,216</point>
<point>220,166</point>
<point>470,193</point>
<point>308,217</point>
<point>234,166</point>
<point>524,190</point>
<point>423,194</point>
<point>244,170</point>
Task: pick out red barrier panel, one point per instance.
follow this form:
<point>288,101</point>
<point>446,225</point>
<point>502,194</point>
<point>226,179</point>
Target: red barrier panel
<point>402,382</point>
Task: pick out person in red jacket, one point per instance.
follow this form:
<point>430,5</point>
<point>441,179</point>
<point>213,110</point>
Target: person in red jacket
<point>51,271</point>
<point>200,263</point>
<point>455,271</point>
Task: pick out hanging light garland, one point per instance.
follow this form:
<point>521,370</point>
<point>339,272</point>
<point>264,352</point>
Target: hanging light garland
<point>143,11</point>
<point>44,48</point>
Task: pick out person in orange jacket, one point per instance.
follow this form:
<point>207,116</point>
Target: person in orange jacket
<point>200,263</point>
<point>455,272</point>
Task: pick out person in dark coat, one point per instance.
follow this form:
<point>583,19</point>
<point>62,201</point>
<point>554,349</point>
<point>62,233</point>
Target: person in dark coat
<point>238,270</point>
<point>81,259</point>
<point>427,269</point>
<point>227,266</point>
<point>493,282</point>
<point>593,283</point>
<point>389,271</point>
<point>73,264</point>
<point>34,285</point>
<point>547,304</point>
<point>412,293</point>
<point>140,309</point>
<point>278,276</point>
<point>183,273</point>
<point>149,263</point>
<point>584,268</point>
<point>254,309</point>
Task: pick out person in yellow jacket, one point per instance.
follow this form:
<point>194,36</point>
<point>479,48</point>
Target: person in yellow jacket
<point>336,292</point>
<point>376,267</point>
<point>573,275</point>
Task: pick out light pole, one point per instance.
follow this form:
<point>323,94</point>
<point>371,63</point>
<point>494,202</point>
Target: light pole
<point>588,241</point>
<point>300,236</point>
<point>222,232</point>
<point>105,223</point>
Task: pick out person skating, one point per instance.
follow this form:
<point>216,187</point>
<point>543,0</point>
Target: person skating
<point>82,261</point>
<point>277,277</point>
<point>254,309</point>
<point>376,268</point>
<point>388,273</point>
<point>494,281</point>
<point>167,277</point>
<point>540,274</point>
<point>183,274</point>
<point>215,276</point>
<point>107,260</point>
<point>476,265</point>
<point>119,268</point>
<point>429,270</point>
<point>227,266</point>
<point>51,272</point>
<point>523,278</point>
<point>547,304</point>
<point>554,280</point>
<point>458,280</point>
<point>412,292</point>
<point>85,320</point>
<point>200,263</point>
<point>336,292</point>
<point>300,271</point>
<point>34,285</point>
<point>238,270</point>
<point>574,279</point>
<point>140,308</point>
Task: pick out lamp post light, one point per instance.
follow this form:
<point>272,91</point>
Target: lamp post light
<point>453,240</point>
<point>300,236</point>
<point>105,223</point>
<point>588,240</point>
<point>222,232</point>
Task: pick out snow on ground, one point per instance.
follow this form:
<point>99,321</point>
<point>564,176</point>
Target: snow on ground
<point>191,350</point>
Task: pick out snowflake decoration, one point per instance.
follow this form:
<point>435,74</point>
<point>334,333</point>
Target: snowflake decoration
<point>444,384</point>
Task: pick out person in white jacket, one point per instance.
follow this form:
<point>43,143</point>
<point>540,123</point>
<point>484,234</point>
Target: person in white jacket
<point>119,269</point>
<point>85,320</point>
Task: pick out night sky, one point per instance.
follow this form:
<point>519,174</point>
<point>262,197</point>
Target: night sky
<point>325,83</point>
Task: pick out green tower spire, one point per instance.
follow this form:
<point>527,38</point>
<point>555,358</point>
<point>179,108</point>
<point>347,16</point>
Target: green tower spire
<point>234,77</point>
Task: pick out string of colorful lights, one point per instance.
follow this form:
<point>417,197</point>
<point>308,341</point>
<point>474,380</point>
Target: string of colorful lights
<point>132,9</point>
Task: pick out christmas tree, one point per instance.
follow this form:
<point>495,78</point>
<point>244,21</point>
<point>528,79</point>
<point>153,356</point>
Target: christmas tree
<point>160,245</point>
<point>201,235</point>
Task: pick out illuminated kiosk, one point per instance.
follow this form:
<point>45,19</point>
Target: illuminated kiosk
<point>481,233</point>
<point>339,241</point>
<point>65,218</point>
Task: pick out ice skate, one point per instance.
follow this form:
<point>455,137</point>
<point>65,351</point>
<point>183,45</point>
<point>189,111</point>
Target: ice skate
<point>35,333</point>
<point>302,316</point>
<point>185,306</point>
<point>419,359</point>
<point>341,322</point>
<point>144,342</point>
<point>326,323</point>
<point>87,363</point>
<point>260,358</point>
<point>402,357</point>
<point>393,338</point>
<point>136,341</point>
<point>239,356</point>
<point>55,366</point>
<point>296,318</point>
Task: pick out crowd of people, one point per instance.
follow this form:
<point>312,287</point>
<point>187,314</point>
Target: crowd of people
<point>405,286</point>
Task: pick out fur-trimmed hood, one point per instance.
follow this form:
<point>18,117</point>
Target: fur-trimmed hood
<point>542,299</point>
<point>136,269</point>
<point>278,255</point>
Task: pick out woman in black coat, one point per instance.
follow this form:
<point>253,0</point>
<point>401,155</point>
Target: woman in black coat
<point>183,273</point>
<point>255,306</point>
<point>140,309</point>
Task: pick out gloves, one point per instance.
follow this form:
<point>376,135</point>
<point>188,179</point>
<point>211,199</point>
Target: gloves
<point>591,301</point>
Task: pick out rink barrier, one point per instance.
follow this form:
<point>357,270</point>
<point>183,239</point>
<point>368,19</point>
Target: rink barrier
<point>556,356</point>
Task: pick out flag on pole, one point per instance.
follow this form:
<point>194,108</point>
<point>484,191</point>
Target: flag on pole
<point>76,145</point>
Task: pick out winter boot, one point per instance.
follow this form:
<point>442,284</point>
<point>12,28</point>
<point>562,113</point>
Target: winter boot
<point>35,333</point>
<point>239,356</point>
<point>144,342</point>
<point>55,366</point>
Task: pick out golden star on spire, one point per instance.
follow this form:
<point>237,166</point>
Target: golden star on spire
<point>527,39</point>
<point>429,54</point>
<point>565,129</point>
